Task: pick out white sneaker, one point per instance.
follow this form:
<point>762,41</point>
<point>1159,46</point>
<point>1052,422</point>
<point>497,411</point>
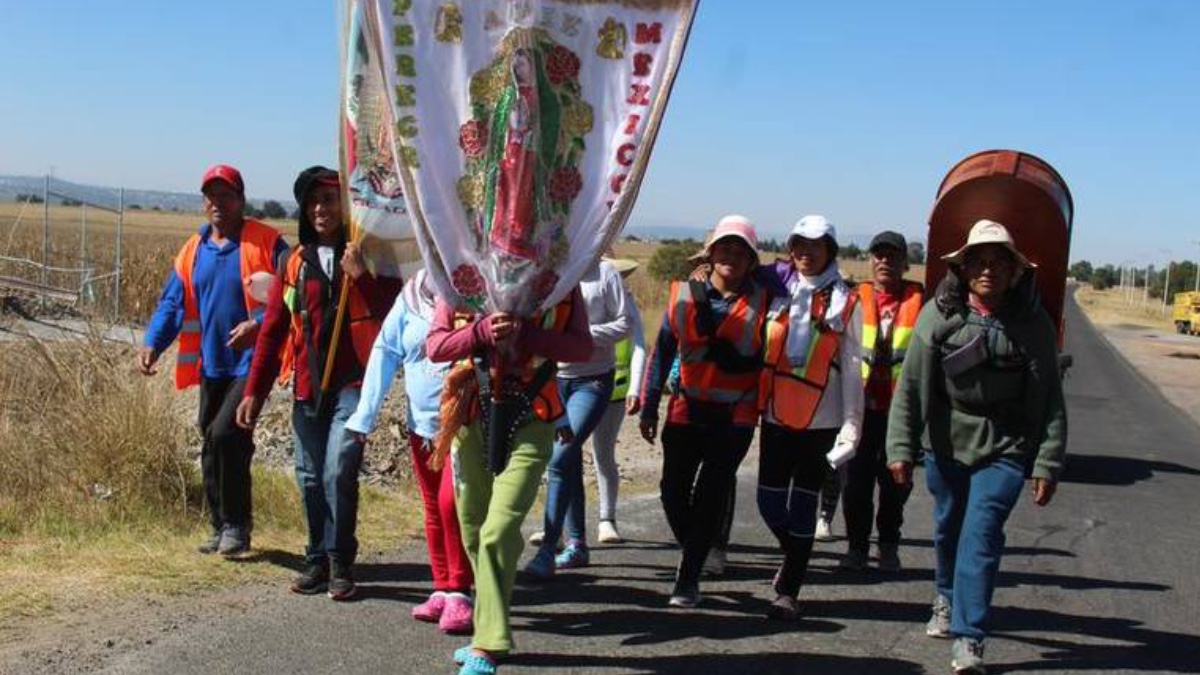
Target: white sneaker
<point>537,537</point>
<point>607,533</point>
<point>714,564</point>
<point>824,530</point>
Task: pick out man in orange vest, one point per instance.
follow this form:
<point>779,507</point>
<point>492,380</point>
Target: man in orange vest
<point>207,303</point>
<point>890,306</point>
<point>300,317</point>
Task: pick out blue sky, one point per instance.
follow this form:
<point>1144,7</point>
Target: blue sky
<point>851,109</point>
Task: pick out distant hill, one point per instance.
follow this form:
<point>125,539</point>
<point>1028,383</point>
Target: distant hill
<point>11,186</point>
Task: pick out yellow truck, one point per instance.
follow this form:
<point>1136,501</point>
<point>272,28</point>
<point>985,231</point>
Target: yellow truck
<point>1186,313</point>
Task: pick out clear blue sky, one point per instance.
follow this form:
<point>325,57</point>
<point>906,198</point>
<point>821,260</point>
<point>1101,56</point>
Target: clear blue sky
<point>851,109</point>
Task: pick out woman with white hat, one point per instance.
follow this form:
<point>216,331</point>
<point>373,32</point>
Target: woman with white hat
<point>981,377</point>
<point>716,328</point>
<point>811,398</point>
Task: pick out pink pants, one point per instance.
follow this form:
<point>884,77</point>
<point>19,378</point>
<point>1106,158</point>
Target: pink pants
<point>447,557</point>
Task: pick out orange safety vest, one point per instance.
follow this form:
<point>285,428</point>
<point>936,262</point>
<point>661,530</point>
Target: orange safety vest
<point>700,377</point>
<point>257,253</point>
<point>547,404</point>
<point>793,394</point>
<point>364,326</point>
<point>902,326</point>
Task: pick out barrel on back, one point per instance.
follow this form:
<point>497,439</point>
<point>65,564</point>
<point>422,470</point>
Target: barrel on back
<point>1023,193</point>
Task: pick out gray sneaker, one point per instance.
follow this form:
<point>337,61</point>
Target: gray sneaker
<point>684,597</point>
<point>889,557</point>
<point>211,543</point>
<point>966,656</point>
<point>939,622</point>
<point>235,542</point>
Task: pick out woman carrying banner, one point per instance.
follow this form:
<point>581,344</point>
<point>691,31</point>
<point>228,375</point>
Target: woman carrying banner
<point>585,388</point>
<point>401,342</point>
<point>981,376</point>
<point>501,353</point>
<point>811,398</point>
<point>716,328</point>
<point>300,316</point>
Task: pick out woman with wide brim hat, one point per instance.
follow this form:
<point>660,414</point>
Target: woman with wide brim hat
<point>981,378</point>
<point>716,328</point>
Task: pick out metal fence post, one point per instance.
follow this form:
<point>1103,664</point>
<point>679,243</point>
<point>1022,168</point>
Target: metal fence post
<point>120,225</point>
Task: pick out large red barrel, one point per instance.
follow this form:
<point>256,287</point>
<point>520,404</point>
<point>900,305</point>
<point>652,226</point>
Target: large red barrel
<point>1023,193</point>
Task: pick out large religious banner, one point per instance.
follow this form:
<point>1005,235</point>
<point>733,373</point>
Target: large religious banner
<point>517,132</point>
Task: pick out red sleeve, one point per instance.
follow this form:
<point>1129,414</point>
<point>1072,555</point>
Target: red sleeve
<point>575,344</point>
<point>277,322</point>
<point>447,343</point>
<point>380,292</point>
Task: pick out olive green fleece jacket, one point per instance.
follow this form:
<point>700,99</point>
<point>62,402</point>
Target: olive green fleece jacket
<point>1010,404</point>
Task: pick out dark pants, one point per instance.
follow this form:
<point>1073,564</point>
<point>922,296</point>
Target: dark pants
<point>226,453</point>
<point>722,540</point>
<point>791,469</point>
<point>327,464</point>
<point>699,470</point>
<point>867,470</point>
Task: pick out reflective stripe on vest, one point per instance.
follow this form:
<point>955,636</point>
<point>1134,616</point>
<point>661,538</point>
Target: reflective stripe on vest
<point>256,252</point>
<point>701,378</point>
<point>624,356</point>
<point>902,326</point>
<point>793,394</point>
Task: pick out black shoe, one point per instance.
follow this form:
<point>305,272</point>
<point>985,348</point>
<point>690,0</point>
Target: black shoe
<point>341,582</point>
<point>235,542</point>
<point>211,544</point>
<point>313,580</point>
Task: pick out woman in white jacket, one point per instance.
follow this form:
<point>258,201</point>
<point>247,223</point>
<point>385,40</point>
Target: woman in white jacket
<point>811,398</point>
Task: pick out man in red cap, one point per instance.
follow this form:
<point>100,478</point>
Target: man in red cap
<point>208,304</point>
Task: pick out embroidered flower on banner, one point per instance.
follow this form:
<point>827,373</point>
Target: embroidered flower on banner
<point>472,138</point>
<point>561,65</point>
<point>467,280</point>
<point>565,184</point>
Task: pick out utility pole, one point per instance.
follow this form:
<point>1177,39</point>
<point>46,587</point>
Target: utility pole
<point>1146,286</point>
<point>1166,288</point>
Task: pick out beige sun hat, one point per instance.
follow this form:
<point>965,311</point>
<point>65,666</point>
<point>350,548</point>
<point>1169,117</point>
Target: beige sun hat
<point>988,232</point>
<point>623,266</point>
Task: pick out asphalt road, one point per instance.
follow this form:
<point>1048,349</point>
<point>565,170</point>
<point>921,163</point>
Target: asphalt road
<point>1104,579</point>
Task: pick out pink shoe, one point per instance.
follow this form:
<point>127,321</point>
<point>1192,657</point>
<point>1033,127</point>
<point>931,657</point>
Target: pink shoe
<point>458,615</point>
<point>431,610</point>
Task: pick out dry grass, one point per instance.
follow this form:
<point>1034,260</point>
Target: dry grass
<point>1111,307</point>
<point>102,495</point>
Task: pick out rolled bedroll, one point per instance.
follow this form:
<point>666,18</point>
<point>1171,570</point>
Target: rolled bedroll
<point>1027,196</point>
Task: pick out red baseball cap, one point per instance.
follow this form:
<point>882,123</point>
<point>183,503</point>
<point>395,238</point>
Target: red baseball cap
<point>226,173</point>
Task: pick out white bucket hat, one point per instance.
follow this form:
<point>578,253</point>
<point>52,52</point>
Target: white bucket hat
<point>988,232</point>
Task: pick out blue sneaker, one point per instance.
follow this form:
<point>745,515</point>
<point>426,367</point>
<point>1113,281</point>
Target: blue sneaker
<point>463,653</point>
<point>574,555</point>
<point>541,565</point>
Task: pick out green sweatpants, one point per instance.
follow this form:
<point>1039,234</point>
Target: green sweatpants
<point>490,512</point>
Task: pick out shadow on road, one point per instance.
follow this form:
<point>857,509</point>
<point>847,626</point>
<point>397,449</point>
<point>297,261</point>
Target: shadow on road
<point>689,664</point>
<point>1102,470</point>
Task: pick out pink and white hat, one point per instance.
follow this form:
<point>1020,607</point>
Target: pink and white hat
<point>734,226</point>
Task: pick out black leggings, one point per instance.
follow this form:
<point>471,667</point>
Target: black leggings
<point>699,470</point>
<point>791,469</point>
<point>867,470</point>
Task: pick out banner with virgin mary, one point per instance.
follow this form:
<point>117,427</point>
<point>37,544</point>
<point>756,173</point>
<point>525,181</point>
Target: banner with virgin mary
<point>522,131</point>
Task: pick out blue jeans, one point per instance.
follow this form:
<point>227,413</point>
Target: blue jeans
<point>327,464</point>
<point>586,399</point>
<point>971,505</point>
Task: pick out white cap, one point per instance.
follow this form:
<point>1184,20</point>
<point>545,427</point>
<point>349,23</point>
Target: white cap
<point>813,227</point>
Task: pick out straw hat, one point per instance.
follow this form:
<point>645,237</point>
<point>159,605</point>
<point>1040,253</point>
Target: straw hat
<point>623,266</point>
<point>988,232</point>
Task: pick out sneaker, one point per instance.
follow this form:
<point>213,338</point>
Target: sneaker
<point>458,616</point>
<point>235,542</point>
<point>574,555</point>
<point>537,537</point>
<point>715,562</point>
<point>431,610</point>
<point>211,544</point>
<point>313,580</point>
<point>341,582</point>
<point>461,654</point>
<point>855,560</point>
<point>541,565</point>
<point>784,607</point>
<point>889,557</point>
<point>939,622</point>
<point>966,656</point>
<point>824,530</point>
<point>478,663</point>
<point>684,597</point>
<point>607,533</point>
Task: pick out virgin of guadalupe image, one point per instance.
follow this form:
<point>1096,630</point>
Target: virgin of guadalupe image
<point>514,217</point>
